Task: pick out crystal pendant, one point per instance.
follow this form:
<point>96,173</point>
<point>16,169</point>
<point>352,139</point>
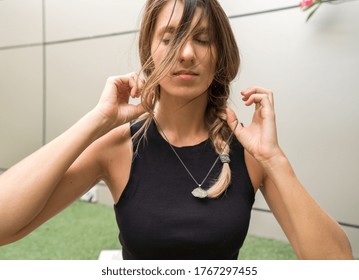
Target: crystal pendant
<point>199,192</point>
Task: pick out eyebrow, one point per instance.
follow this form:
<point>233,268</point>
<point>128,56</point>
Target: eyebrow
<point>171,29</point>
<point>166,29</point>
<point>201,30</point>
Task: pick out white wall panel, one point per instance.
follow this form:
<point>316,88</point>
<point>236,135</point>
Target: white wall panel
<point>66,19</point>
<point>265,224</point>
<point>20,104</point>
<point>76,75</point>
<point>20,22</point>
<point>238,7</point>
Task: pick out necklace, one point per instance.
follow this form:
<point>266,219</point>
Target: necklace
<point>199,191</point>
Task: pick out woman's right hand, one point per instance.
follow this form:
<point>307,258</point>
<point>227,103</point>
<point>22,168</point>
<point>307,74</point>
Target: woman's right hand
<point>113,104</point>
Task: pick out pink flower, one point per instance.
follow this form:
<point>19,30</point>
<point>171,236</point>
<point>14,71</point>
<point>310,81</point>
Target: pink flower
<point>306,3</point>
<point>314,5</point>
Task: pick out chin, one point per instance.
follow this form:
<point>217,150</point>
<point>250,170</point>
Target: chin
<point>189,94</point>
<point>186,92</point>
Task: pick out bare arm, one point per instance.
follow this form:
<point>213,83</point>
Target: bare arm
<point>27,187</point>
<point>312,233</point>
<point>45,182</point>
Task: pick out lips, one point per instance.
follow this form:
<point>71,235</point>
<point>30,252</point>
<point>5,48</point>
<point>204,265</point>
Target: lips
<point>184,72</point>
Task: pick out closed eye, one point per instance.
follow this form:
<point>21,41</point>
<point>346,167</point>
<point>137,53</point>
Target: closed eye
<point>166,41</point>
<point>202,41</point>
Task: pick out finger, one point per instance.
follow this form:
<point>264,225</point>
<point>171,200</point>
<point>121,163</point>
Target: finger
<point>259,99</point>
<point>139,109</point>
<point>133,111</point>
<point>139,85</point>
<point>136,84</point>
<point>132,84</point>
<point>122,82</point>
<point>133,92</point>
<point>232,121</point>
<point>254,90</point>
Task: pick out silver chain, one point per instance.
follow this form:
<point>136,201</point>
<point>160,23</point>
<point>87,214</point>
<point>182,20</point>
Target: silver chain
<point>179,158</point>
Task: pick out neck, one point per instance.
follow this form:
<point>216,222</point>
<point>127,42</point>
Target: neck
<point>182,121</point>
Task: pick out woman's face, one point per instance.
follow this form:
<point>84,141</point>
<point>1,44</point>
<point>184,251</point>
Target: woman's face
<point>194,68</point>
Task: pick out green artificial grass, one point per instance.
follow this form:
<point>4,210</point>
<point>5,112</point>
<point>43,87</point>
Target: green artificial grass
<point>260,248</point>
<point>79,232</point>
<point>82,230</point>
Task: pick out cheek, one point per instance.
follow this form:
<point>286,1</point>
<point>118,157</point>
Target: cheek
<point>157,53</point>
<point>211,62</point>
<point>214,62</point>
<point>212,68</point>
<point>154,54</point>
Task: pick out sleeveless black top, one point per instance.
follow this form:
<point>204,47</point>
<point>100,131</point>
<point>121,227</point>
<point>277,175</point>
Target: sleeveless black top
<point>157,215</point>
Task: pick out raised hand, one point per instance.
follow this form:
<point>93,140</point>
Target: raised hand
<point>259,138</point>
<point>113,104</point>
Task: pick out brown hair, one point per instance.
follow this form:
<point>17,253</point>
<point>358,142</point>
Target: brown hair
<point>227,66</point>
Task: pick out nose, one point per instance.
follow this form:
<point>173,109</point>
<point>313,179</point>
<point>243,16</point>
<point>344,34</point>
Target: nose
<point>187,53</point>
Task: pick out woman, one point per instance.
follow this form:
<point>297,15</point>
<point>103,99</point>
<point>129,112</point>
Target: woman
<point>186,140</point>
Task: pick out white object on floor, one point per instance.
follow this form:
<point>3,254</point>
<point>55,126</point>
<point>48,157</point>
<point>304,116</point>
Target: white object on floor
<point>91,195</point>
<point>110,255</point>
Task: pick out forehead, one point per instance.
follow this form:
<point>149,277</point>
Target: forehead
<point>171,15</point>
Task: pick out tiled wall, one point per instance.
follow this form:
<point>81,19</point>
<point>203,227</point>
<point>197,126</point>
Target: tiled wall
<point>56,55</point>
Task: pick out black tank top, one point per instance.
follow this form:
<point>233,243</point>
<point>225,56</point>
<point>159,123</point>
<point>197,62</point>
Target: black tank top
<point>157,215</point>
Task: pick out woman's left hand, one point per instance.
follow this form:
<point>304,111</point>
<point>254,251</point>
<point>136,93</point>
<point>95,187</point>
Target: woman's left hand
<point>260,137</point>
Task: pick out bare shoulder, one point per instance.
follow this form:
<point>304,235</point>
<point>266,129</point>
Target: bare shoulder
<point>255,171</point>
<point>115,139</point>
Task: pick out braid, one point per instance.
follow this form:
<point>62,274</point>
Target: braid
<point>219,132</point>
